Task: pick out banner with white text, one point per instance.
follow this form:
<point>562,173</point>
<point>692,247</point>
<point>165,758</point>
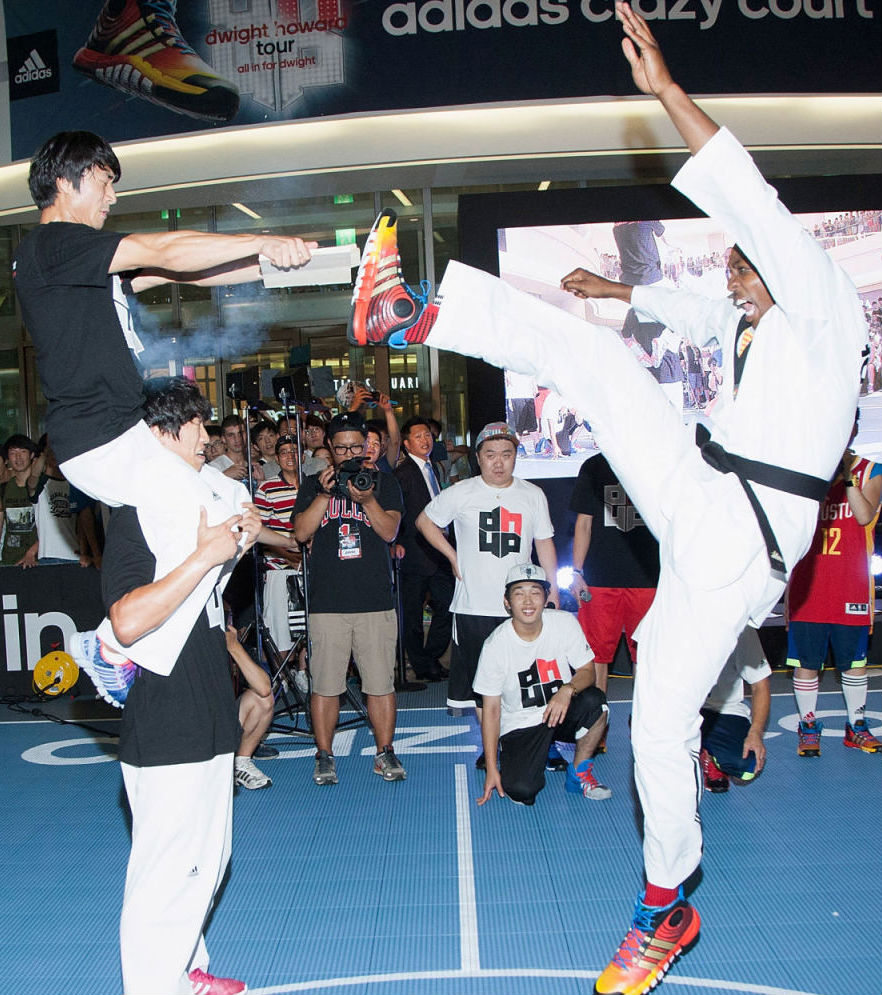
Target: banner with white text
<point>131,69</point>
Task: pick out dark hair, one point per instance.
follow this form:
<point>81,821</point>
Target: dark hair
<point>315,421</point>
<point>348,421</point>
<point>170,402</point>
<point>412,423</point>
<point>264,425</point>
<point>19,441</point>
<point>285,440</point>
<point>214,431</point>
<point>230,421</point>
<point>67,156</point>
<point>373,427</point>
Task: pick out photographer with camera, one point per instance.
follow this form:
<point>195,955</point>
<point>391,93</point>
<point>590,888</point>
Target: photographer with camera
<point>350,513</point>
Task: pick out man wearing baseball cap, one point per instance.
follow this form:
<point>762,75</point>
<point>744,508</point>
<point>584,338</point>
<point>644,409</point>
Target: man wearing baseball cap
<point>497,519</point>
<point>536,678</point>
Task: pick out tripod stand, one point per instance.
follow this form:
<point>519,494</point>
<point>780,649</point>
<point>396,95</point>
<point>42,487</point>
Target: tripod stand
<point>292,703</point>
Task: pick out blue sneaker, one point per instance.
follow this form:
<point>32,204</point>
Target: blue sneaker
<point>554,760</point>
<point>581,781</point>
<point>809,734</point>
<point>110,672</point>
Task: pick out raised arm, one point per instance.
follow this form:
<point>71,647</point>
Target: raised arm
<point>652,77</point>
<point>203,257</point>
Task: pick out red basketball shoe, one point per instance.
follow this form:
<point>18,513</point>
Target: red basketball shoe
<point>656,937</point>
<point>384,307</point>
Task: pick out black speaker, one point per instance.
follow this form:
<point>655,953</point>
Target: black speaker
<point>244,385</point>
<point>295,383</point>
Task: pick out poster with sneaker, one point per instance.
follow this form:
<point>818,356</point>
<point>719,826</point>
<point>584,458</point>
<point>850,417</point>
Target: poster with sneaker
<point>132,69</point>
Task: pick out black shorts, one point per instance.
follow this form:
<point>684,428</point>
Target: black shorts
<point>469,633</point>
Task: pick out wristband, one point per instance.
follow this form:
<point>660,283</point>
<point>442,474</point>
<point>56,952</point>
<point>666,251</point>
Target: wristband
<point>578,570</point>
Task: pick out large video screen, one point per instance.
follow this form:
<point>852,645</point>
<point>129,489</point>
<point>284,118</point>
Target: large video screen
<point>688,253</point>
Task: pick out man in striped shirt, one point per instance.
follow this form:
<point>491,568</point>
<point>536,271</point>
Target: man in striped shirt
<point>275,501</point>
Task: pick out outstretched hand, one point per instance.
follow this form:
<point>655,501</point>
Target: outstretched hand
<point>585,284</point>
<point>648,66</point>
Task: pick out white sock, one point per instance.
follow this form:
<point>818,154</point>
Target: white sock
<point>854,690</point>
<point>805,690</point>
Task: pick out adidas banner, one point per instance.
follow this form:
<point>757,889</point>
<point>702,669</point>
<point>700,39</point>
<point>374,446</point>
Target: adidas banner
<point>132,69</point>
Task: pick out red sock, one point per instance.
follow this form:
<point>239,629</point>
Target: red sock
<point>657,896</point>
<point>418,332</point>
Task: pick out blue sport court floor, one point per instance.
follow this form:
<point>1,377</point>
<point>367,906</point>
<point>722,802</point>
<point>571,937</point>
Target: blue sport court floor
<point>369,888</point>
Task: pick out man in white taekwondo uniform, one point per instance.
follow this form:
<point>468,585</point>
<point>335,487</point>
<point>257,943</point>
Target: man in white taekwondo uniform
<point>727,539</point>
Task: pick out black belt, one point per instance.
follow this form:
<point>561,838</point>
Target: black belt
<point>778,477</point>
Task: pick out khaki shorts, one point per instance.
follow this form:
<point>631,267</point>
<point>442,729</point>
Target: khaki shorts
<point>370,637</point>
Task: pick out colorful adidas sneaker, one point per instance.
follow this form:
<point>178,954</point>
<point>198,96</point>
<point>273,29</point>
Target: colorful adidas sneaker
<point>656,937</point>
<point>715,780</point>
<point>110,672</point>
<point>384,307</point>
<point>581,781</point>
<point>859,737</point>
<point>137,47</point>
<point>809,733</point>
<point>203,983</point>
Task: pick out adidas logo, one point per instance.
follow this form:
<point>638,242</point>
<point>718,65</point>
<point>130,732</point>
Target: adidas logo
<point>34,69</point>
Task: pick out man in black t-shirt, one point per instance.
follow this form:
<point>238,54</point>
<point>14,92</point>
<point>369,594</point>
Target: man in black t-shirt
<point>75,283</point>
<point>351,608</point>
<point>178,732</point>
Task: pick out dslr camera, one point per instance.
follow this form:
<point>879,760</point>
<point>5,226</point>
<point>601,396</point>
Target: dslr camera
<point>363,478</point>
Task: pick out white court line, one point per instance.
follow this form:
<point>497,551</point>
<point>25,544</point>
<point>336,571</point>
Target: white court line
<point>468,909</point>
<point>729,987</point>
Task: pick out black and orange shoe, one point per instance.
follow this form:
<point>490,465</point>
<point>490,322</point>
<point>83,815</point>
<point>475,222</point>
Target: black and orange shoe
<point>137,47</point>
<point>384,307</point>
<point>656,937</point>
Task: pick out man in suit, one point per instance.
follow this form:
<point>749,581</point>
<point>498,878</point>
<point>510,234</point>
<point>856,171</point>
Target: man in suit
<point>424,571</point>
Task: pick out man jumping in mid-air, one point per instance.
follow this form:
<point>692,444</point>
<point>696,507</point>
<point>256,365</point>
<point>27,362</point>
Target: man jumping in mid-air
<point>751,494</point>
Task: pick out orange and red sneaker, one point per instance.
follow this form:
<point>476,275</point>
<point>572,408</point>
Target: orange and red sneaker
<point>384,307</point>
<point>656,937</point>
<point>137,47</point>
<point>859,737</point>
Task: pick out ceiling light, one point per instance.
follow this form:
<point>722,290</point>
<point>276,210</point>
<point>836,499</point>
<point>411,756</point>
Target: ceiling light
<point>247,210</point>
<point>403,198</point>
<point>544,185</point>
